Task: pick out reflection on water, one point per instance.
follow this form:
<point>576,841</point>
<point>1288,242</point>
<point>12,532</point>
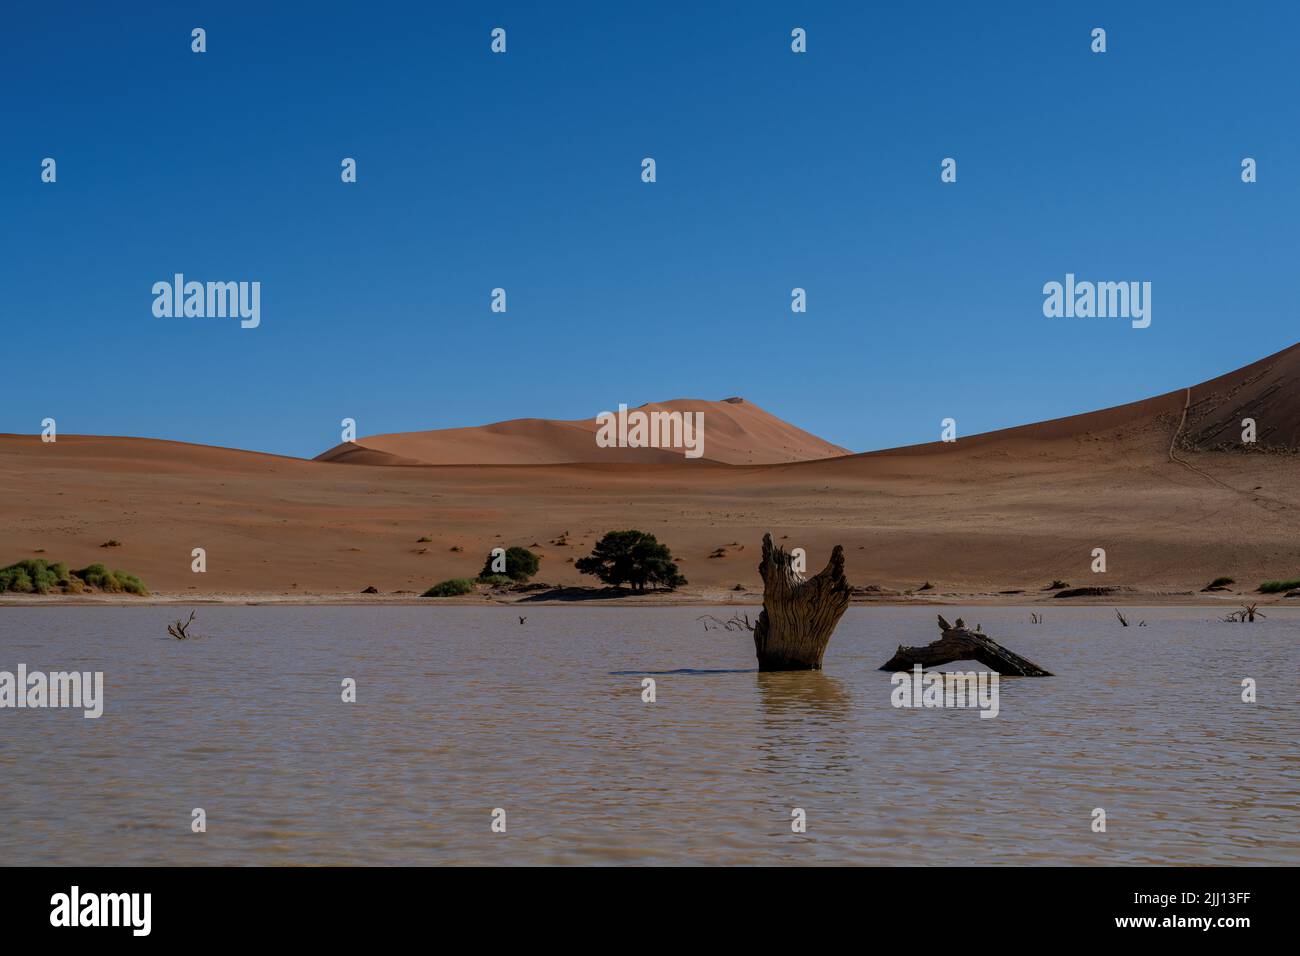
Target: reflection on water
<point>460,710</point>
<point>802,695</point>
<point>806,727</point>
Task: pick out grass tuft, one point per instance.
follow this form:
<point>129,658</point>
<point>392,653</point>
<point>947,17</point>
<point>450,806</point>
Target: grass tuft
<point>1273,587</point>
<point>453,587</point>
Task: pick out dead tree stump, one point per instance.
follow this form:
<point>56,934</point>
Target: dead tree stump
<point>960,644</point>
<point>799,614</point>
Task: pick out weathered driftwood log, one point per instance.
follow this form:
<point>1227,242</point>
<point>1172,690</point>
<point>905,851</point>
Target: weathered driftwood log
<point>799,614</point>
<point>960,644</point>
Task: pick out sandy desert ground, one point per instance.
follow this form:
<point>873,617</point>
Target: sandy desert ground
<point>1163,485</point>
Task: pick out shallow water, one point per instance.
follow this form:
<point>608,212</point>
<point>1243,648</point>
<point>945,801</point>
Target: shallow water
<point>463,710</point>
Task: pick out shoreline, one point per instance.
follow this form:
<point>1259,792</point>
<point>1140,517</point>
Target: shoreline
<point>1132,598</point>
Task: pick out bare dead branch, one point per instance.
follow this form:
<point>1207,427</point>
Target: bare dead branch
<point>180,631</point>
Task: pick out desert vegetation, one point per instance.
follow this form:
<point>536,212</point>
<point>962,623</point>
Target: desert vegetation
<point>98,576</point>
<point>34,576</point>
<point>1276,587</point>
<point>452,587</point>
<point>38,576</point>
<point>632,557</point>
<point>520,565</point>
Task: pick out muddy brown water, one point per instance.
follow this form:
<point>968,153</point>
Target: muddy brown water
<point>461,711</point>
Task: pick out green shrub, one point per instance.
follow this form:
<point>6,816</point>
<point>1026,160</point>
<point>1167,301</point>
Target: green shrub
<point>33,576</point>
<point>496,580</point>
<point>520,565</point>
<point>16,578</point>
<point>131,584</point>
<point>98,576</point>
<point>450,588</point>
<point>1273,587</point>
<point>37,576</point>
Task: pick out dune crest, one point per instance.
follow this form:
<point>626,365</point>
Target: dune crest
<point>736,432</point>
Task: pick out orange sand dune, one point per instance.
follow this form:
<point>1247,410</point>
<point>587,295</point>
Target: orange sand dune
<point>1267,391</point>
<point>736,432</point>
<point>1005,511</point>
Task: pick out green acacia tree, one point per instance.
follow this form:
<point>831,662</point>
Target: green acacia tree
<point>632,557</point>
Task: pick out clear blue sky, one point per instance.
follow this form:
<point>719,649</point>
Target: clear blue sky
<point>775,170</point>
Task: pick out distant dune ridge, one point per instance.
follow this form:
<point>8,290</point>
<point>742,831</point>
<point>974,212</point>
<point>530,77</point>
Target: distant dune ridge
<point>736,432</point>
<point>1163,484</point>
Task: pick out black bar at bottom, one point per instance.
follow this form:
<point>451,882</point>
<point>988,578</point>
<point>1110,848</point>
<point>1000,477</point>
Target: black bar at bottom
<point>336,905</point>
